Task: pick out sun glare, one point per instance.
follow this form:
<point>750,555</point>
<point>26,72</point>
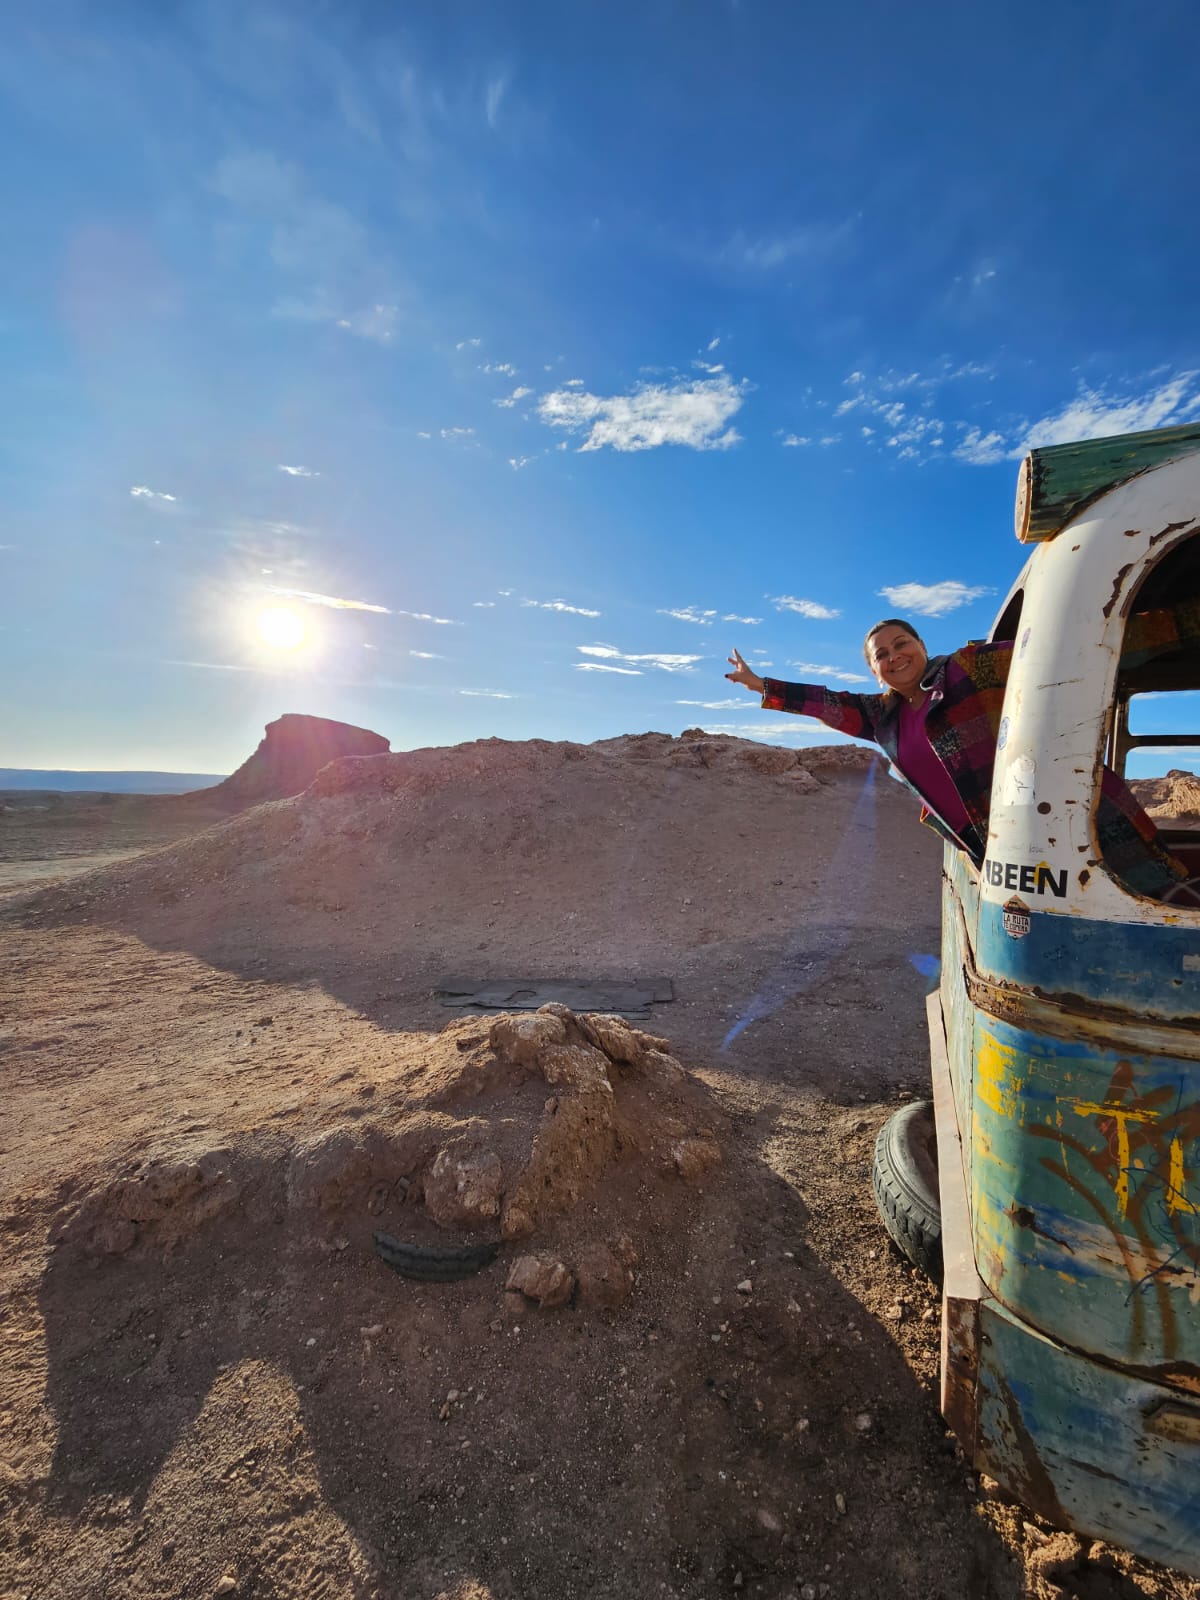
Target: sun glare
<point>281,628</point>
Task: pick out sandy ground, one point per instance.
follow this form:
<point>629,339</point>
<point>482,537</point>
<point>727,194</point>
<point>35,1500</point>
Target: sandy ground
<point>239,1396</point>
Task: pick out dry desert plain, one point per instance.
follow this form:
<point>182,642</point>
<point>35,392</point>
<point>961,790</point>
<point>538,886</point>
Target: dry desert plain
<point>225,1068</point>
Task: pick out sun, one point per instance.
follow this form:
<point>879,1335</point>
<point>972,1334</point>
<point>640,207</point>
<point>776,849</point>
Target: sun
<point>281,628</point>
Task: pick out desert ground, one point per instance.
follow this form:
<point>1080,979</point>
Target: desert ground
<point>226,1067</point>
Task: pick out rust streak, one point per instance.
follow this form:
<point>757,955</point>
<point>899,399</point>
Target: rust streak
<point>1116,589</point>
<point>1023,1217</point>
<point>1032,1484</point>
<point>1163,533</point>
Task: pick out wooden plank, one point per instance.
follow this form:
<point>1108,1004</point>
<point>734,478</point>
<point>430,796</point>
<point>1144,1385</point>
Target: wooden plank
<point>961,1289</point>
<point>1059,481</point>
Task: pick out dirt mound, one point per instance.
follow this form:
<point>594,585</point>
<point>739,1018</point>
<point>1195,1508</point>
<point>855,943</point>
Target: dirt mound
<point>292,751</point>
<point>500,1128</point>
<point>1175,795</point>
<point>611,847</point>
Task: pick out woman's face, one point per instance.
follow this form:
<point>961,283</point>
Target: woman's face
<point>897,658</point>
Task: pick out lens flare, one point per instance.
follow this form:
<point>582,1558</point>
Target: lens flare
<point>847,869</point>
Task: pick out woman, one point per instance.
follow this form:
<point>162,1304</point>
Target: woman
<point>937,722</point>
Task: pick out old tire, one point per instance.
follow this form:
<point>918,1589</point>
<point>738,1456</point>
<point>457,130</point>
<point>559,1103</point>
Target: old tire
<point>905,1178</point>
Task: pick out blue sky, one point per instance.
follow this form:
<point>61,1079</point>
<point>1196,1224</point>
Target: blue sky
<point>527,352</point>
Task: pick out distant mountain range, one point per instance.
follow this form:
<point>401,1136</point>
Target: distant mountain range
<point>108,782</point>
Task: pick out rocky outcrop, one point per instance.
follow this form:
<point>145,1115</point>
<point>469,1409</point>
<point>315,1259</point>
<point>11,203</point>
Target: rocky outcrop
<point>1177,795</point>
<point>293,750</point>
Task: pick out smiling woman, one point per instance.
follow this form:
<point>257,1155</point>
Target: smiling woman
<point>281,628</point>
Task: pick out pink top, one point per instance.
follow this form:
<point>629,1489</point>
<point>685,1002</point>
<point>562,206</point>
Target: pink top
<point>921,766</point>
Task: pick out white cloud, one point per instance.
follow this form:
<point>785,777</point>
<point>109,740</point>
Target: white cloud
<point>560,605</point>
<point>689,614</point>
<point>713,343</point>
<point>517,462</point>
<point>813,241</point>
<point>298,472</point>
<point>425,616</point>
<point>506,367</point>
<point>657,659</point>
<point>141,492</point>
<point>311,240</point>
<point>468,344</point>
<point>518,393</point>
<point>793,440</point>
<point>805,729</point>
<point>821,673</point>
<point>484,605</point>
<point>421,434</point>
<point>597,666</point>
<point>1094,414</point>
<point>376,322</point>
<point>327,600</point>
<point>831,438</point>
<point>931,599</point>
<point>981,449</point>
<point>457,435</point>
<point>749,622</point>
<point>805,608</point>
<point>716,705</point>
<point>912,430</point>
<point>690,411</point>
<point>426,655</point>
<point>571,383</point>
<point>488,694</point>
<point>496,90</point>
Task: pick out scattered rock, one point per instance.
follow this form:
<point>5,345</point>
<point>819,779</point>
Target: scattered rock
<point>746,1286</point>
<point>226,1584</point>
<point>691,1158</point>
<point>541,1278</point>
<point>463,1188</point>
<point>604,1280</point>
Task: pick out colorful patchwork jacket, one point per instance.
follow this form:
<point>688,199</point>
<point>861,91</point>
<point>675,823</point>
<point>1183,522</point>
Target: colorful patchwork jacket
<point>966,692</point>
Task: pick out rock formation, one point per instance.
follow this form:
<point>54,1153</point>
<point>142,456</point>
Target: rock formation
<point>293,750</point>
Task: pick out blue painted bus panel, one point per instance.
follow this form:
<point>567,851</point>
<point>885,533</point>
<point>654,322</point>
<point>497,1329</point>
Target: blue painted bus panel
<point>1085,1193</point>
<point>1092,1448</point>
<point>1143,968</point>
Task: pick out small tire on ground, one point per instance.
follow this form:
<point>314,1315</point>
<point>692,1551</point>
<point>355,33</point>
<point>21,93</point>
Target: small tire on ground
<point>905,1179</point>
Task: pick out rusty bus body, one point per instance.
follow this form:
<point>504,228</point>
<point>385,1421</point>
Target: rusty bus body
<point>1066,1042</point>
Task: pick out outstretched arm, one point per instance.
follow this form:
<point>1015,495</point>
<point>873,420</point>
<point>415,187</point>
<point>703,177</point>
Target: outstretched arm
<point>855,714</point>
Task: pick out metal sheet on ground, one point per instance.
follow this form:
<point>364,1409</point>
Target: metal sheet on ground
<point>630,998</point>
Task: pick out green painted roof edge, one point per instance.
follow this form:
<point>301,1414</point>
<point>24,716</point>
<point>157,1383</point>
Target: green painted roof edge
<point>1059,481</point>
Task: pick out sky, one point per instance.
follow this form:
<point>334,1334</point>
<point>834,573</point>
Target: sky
<point>462,369</point>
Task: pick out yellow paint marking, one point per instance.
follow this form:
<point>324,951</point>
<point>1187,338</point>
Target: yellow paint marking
<point>997,1080</point>
<point>1176,1200</point>
<point>1122,1117</point>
